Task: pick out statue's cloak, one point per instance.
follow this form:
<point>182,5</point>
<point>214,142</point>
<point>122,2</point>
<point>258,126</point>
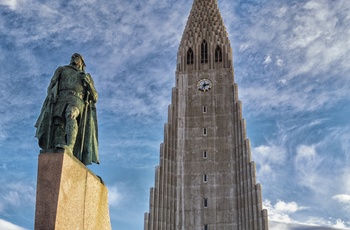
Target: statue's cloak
<point>90,147</point>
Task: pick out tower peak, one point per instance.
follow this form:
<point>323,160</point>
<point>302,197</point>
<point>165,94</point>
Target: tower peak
<point>204,24</point>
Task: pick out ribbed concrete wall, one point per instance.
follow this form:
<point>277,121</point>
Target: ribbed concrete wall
<point>206,177</point>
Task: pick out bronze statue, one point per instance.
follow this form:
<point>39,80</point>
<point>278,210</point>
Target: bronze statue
<point>68,116</point>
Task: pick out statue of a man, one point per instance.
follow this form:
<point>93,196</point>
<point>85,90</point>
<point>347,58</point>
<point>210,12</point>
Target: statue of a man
<point>68,117</point>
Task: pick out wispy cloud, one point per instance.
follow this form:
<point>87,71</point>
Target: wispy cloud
<point>114,196</point>
<point>343,199</point>
<point>340,224</point>
<point>281,210</point>
<point>16,195</point>
<point>267,157</point>
<point>308,169</point>
<point>12,4</point>
<point>307,163</point>
<point>280,218</point>
<point>9,226</point>
<point>304,45</point>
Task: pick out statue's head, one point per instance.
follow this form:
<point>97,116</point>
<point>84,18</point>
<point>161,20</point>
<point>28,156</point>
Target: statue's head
<point>78,60</point>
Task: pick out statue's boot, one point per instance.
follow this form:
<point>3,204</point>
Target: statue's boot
<point>59,134</point>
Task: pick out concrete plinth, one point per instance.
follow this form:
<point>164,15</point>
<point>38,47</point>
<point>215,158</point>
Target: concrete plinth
<point>69,196</point>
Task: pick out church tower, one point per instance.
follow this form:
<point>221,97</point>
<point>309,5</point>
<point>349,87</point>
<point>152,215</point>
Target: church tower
<point>205,179</point>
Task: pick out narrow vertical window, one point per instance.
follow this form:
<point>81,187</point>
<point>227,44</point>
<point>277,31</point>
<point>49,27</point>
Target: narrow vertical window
<point>205,178</point>
<point>205,131</point>
<point>204,52</point>
<point>206,227</point>
<point>205,202</point>
<point>205,154</point>
<point>205,109</point>
<point>189,56</point>
<point>218,54</point>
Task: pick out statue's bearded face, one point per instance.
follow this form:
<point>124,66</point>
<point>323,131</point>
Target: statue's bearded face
<point>76,60</point>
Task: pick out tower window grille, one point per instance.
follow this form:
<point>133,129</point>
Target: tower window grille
<point>218,54</point>
<point>190,56</point>
<point>204,52</point>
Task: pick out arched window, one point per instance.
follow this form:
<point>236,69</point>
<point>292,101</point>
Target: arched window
<point>189,56</point>
<point>218,54</point>
<point>204,52</point>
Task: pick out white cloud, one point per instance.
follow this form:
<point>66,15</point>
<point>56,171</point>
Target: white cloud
<point>309,46</point>
<point>307,163</point>
<point>114,196</point>
<point>317,36</point>
<point>5,225</point>
<point>343,199</point>
<point>273,225</point>
<point>340,224</point>
<point>273,153</point>
<point>265,99</point>
<point>290,207</point>
<point>283,81</point>
<point>281,210</point>
<point>12,4</point>
<point>305,152</point>
<point>17,195</point>
<point>329,223</point>
<point>280,218</point>
<point>268,156</point>
<point>268,59</point>
<point>279,62</point>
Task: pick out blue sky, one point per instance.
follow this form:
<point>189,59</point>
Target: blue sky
<point>291,61</point>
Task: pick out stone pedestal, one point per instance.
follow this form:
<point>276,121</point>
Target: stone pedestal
<point>69,196</point>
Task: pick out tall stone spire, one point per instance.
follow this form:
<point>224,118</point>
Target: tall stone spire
<point>206,178</point>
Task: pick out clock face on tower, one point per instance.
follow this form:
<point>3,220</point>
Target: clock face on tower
<point>204,85</point>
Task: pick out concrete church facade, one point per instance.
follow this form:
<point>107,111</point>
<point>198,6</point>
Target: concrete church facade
<point>206,178</point>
